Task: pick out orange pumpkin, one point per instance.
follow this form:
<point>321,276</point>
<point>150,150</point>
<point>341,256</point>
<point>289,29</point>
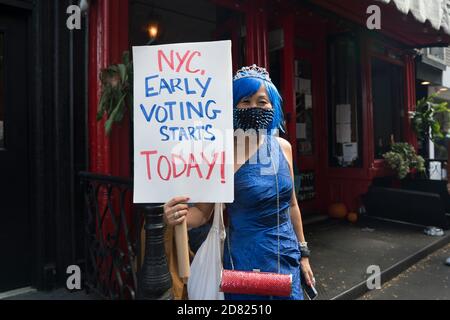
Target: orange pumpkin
<point>352,217</point>
<point>337,210</point>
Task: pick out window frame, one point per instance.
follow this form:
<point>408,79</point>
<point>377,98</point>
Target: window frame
<point>404,107</point>
<point>379,166</point>
<point>331,105</point>
<point>430,56</point>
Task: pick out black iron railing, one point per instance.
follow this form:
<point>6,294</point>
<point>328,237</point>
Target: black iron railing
<point>111,239</point>
<point>116,267</point>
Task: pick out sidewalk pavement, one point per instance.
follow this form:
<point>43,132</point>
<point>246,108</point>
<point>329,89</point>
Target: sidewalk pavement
<point>341,252</point>
<point>429,279</point>
<point>57,294</point>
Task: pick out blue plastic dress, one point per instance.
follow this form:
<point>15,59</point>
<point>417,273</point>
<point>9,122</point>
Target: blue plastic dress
<point>253,233</point>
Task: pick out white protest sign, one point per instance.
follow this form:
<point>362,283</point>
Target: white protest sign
<point>183,122</point>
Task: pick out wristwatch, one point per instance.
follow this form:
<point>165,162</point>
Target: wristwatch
<point>304,250</point>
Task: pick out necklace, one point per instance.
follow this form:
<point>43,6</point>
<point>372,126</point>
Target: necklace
<point>278,215</point>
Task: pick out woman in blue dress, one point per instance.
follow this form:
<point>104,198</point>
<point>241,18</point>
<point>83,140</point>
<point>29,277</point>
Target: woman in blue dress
<point>265,226</point>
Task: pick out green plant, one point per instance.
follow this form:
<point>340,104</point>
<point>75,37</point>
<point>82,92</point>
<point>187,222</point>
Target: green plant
<point>402,158</point>
<point>116,92</point>
<point>423,119</point>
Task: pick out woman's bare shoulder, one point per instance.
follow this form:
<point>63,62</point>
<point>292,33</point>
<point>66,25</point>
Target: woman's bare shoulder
<point>286,145</point>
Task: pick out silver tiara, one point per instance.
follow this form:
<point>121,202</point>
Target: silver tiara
<point>253,71</point>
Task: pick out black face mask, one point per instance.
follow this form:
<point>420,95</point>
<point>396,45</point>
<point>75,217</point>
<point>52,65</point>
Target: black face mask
<point>252,118</point>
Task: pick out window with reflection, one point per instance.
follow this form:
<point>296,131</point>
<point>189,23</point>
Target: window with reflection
<point>344,99</point>
<point>304,107</point>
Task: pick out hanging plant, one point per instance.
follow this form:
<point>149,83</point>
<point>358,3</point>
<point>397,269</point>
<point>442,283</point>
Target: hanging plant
<point>423,119</point>
<point>116,91</point>
<point>402,158</point>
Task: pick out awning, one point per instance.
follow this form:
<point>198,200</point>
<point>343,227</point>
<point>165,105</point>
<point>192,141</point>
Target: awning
<point>437,12</point>
<point>414,23</point>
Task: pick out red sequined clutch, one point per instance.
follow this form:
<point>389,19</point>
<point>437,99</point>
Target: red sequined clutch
<point>257,283</point>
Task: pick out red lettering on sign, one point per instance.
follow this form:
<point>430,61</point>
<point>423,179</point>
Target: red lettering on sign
<point>181,60</point>
<point>210,165</point>
<point>184,60</point>
<point>193,164</point>
<point>167,168</point>
<point>222,168</point>
<point>147,159</point>
<point>188,63</point>
<point>175,174</point>
<point>161,56</point>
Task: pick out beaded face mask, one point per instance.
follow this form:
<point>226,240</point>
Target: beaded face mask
<point>252,118</point>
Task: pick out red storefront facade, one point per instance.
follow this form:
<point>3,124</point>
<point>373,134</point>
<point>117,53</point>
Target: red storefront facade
<point>347,90</point>
<point>305,44</point>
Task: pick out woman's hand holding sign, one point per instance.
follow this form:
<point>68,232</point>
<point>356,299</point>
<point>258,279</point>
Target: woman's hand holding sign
<point>176,215</point>
<point>175,210</point>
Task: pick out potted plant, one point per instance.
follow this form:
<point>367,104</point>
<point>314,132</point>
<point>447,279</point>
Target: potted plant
<point>427,127</point>
<point>116,92</point>
<point>424,122</point>
<point>402,158</point>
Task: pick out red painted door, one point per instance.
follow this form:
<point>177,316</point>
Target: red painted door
<point>310,124</point>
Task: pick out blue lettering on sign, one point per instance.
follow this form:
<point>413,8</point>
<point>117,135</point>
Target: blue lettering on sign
<point>163,112</point>
<point>148,89</point>
<point>204,87</point>
<point>147,116</point>
<point>171,110</point>
<point>154,85</point>
<point>165,85</point>
<point>187,133</point>
<point>176,85</point>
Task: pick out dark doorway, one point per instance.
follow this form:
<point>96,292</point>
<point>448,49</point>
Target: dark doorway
<point>388,92</point>
<point>15,244</point>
